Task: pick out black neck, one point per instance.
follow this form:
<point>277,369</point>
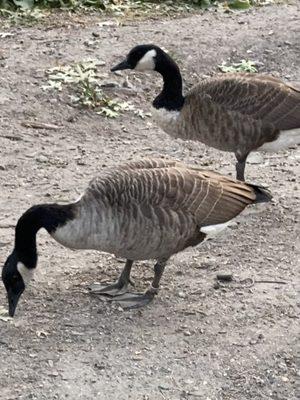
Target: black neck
<point>48,216</point>
<point>171,96</point>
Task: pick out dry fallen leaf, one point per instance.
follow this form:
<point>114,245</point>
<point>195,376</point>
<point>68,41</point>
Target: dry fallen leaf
<point>42,333</point>
<point>4,315</point>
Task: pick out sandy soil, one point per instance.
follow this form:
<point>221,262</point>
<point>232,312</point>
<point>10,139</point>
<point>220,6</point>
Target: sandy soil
<point>197,340</point>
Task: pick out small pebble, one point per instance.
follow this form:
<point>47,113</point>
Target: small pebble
<point>224,277</point>
<point>42,159</point>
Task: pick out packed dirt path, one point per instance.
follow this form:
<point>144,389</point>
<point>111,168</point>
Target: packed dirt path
<point>198,340</point>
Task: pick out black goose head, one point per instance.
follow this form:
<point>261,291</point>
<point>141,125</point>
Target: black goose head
<point>148,57</point>
<point>15,276</point>
<point>144,57</point>
<point>12,277</point>
<point>20,265</point>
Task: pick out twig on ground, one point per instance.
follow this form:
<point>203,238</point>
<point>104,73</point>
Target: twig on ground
<point>6,226</point>
<point>276,282</point>
<point>12,137</point>
<point>40,125</point>
<point>248,283</point>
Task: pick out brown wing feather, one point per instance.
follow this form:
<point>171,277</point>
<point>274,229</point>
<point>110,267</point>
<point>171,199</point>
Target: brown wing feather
<point>207,197</point>
<point>224,199</point>
<point>261,97</point>
<point>148,163</point>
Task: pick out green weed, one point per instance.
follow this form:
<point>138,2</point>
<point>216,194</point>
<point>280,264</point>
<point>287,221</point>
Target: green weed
<point>84,84</point>
<point>242,66</point>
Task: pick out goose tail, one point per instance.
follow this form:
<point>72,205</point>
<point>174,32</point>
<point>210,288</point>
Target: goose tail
<point>263,195</point>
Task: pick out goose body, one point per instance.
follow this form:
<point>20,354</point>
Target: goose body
<point>239,113</point>
<point>228,113</point>
<point>149,209</point>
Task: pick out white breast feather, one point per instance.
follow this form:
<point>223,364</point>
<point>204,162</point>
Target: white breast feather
<point>167,120</point>
<point>87,232</point>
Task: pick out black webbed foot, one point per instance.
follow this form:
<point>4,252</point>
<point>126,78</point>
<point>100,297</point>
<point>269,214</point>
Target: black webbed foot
<point>130,301</point>
<point>118,288</point>
<point>115,289</point>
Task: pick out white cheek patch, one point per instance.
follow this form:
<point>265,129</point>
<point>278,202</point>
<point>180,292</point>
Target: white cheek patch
<point>147,62</point>
<point>26,273</point>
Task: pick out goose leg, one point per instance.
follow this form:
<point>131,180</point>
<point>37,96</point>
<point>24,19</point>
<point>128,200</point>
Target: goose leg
<point>137,300</point>
<point>115,289</point>
<point>240,168</point>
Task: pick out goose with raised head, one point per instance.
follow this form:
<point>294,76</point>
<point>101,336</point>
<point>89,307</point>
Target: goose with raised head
<point>148,209</point>
<point>239,113</point>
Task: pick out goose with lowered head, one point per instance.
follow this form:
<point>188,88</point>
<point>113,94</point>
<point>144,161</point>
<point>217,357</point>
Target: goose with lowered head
<point>239,113</point>
<point>148,209</point>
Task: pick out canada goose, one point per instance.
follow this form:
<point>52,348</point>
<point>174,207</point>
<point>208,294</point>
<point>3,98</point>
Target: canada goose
<point>238,112</point>
<point>148,209</point>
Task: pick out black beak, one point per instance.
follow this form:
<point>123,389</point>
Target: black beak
<point>13,300</point>
<point>123,65</point>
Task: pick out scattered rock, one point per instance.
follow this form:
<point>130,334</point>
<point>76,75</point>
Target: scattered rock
<point>164,387</point>
<point>53,373</point>
<point>42,159</point>
<point>109,84</point>
<point>4,315</point>
<point>255,158</point>
<point>225,277</point>
<point>99,366</point>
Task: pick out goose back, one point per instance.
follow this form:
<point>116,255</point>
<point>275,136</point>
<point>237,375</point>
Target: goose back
<point>262,97</point>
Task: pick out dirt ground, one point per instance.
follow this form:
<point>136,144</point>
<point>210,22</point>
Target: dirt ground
<point>237,341</point>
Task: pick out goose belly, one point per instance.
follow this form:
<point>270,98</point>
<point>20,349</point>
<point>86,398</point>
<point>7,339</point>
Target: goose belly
<point>155,244</point>
<point>147,238</point>
<point>283,141</point>
<point>128,234</point>
<point>196,127</point>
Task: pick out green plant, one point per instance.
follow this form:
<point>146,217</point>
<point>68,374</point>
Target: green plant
<point>22,16</point>
<point>238,4</point>
<point>84,83</point>
<point>131,8</point>
<point>242,66</point>
<point>113,107</point>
